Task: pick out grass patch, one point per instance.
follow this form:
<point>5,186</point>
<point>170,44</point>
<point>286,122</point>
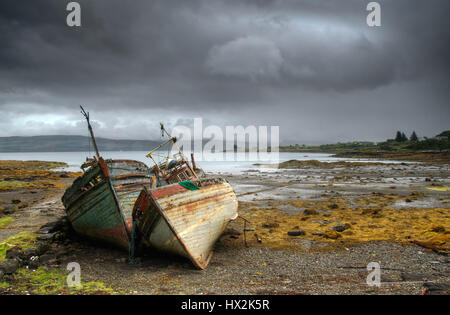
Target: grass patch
<point>4,285</point>
<point>6,220</point>
<point>43,280</point>
<point>22,239</point>
<point>47,282</point>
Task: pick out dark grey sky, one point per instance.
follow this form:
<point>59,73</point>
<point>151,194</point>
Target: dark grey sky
<point>313,67</point>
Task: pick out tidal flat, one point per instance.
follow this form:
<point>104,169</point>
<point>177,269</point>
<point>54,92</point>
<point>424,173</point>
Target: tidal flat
<point>311,228</point>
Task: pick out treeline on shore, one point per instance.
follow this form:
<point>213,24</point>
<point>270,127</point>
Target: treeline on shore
<point>401,143</point>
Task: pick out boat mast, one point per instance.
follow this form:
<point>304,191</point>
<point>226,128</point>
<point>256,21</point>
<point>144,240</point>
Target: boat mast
<point>86,115</point>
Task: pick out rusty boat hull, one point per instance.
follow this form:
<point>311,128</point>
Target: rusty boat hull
<point>99,204</point>
<point>183,221</point>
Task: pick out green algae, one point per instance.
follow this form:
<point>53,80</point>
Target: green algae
<point>22,239</point>
<point>45,281</point>
<point>6,220</point>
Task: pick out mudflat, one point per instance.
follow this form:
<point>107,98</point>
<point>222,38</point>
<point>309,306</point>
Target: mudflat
<point>312,229</point>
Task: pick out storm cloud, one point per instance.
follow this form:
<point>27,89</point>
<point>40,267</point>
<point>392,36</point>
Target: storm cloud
<point>312,67</point>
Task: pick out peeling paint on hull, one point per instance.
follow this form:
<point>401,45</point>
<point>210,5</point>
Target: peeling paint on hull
<point>99,204</point>
<point>186,222</point>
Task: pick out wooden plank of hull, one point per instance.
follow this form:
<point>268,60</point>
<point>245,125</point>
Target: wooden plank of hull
<point>185,222</point>
<point>127,202</point>
<point>94,213</point>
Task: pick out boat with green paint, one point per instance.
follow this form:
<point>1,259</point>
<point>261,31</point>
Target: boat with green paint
<point>99,204</point>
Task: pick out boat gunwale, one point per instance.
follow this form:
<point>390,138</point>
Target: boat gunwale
<point>123,187</point>
<point>70,200</point>
<point>77,182</point>
<point>82,194</point>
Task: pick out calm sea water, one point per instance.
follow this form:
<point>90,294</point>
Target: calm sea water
<point>241,162</point>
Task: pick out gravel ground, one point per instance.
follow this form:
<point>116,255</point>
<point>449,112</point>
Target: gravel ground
<point>404,269</point>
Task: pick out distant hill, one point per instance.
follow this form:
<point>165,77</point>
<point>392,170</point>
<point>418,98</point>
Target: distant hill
<point>71,144</point>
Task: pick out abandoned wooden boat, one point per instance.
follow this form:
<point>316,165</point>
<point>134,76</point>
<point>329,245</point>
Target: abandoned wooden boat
<point>186,218</point>
<point>99,204</point>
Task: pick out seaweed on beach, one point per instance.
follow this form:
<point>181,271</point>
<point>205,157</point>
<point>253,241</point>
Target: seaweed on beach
<point>16,175</point>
